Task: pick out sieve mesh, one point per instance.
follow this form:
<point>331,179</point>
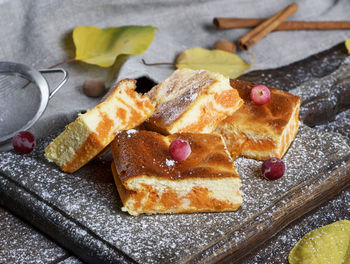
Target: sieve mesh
<point>19,102</point>
<point>24,94</point>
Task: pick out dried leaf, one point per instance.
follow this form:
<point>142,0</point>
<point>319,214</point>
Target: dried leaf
<point>103,46</point>
<point>347,45</point>
<point>327,244</point>
<point>219,61</point>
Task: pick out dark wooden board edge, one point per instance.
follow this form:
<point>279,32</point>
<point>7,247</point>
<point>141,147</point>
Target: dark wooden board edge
<point>296,203</point>
<point>54,222</point>
<point>312,67</point>
<point>236,252</point>
<point>19,238</point>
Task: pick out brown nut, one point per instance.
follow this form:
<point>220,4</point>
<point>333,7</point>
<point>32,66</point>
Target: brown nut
<point>225,45</point>
<point>93,88</point>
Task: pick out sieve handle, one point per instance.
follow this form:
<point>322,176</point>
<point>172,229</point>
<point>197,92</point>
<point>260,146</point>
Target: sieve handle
<point>64,79</point>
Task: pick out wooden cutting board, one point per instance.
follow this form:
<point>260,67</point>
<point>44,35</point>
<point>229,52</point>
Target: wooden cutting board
<point>82,211</point>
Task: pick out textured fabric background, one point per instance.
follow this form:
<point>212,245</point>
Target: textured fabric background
<point>38,33</point>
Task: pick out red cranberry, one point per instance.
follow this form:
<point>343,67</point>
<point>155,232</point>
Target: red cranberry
<point>273,168</point>
<point>179,149</point>
<point>23,142</point>
<point>260,94</point>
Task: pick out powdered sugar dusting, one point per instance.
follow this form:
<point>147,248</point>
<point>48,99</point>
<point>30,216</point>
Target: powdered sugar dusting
<point>277,250</point>
<point>90,198</point>
<point>71,260</point>
<point>17,239</point>
<point>186,92</point>
<point>292,76</point>
<point>193,96</point>
<point>130,132</point>
<point>341,125</point>
<point>169,162</point>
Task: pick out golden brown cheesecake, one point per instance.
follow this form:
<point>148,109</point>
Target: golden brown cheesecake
<point>261,131</point>
<point>149,181</point>
<point>192,101</point>
<point>91,132</point>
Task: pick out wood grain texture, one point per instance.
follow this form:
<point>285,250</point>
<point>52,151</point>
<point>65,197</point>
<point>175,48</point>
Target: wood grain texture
<point>21,243</point>
<point>291,206</point>
<point>229,23</point>
<point>304,197</point>
<point>277,249</point>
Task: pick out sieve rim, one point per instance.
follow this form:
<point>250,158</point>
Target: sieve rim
<point>34,76</point>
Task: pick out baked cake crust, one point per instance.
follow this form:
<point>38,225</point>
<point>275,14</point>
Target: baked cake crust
<point>149,181</point>
<point>261,131</point>
<point>91,132</point>
<point>192,101</point>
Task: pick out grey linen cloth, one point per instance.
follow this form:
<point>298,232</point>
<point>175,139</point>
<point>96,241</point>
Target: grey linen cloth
<point>38,33</point>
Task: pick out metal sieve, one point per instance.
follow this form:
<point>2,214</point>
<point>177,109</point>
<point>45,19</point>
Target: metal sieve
<point>24,95</point>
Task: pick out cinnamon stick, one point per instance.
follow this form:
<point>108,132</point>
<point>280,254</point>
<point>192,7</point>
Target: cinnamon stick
<point>252,37</point>
<point>228,23</point>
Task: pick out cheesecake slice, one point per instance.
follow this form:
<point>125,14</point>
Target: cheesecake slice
<point>149,181</point>
<point>192,101</point>
<point>91,132</point>
<point>261,131</point>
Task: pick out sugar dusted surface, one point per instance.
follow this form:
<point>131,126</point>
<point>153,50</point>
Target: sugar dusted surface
<point>294,75</point>
<point>25,239</point>
<point>277,249</point>
<point>341,125</point>
<point>90,197</point>
<point>71,260</point>
<point>321,87</point>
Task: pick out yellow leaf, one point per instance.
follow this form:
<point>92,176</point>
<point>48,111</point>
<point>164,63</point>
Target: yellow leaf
<point>347,45</point>
<point>103,46</point>
<point>218,61</point>
<point>327,244</point>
